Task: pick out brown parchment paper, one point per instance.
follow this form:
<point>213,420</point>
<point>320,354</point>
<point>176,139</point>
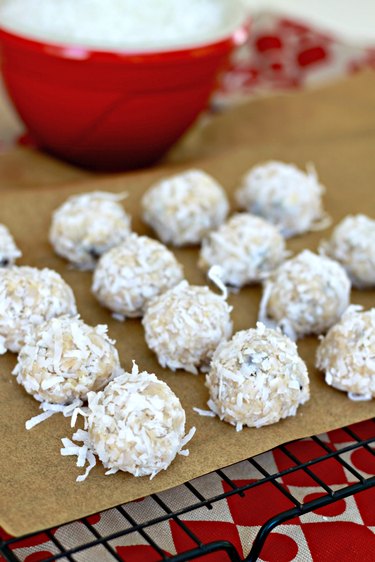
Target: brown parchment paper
<point>336,110</point>
<point>38,487</point>
<point>342,108</point>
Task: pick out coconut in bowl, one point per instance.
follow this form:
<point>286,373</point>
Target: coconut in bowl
<point>113,85</point>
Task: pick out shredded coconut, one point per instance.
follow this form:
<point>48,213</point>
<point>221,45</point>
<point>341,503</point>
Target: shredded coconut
<point>8,249</point>
<point>131,274</point>
<point>352,244</point>
<point>246,247</point>
<point>136,424</point>
<point>90,457</point>
<point>359,397</point>
<point>63,359</point>
<point>305,295</point>
<point>70,410</point>
<point>76,412</point>
<point>32,422</point>
<point>184,208</point>
<point>184,326</point>
<point>87,225</point>
<point>204,413</point>
<point>286,196</point>
<point>347,354</point>
<point>257,378</point>
<point>215,274</point>
<point>123,24</point>
<point>83,455</point>
<point>28,297</point>
<point>119,317</point>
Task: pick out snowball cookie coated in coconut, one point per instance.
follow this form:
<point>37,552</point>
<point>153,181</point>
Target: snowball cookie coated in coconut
<point>184,325</point>
<point>183,208</point>
<point>257,378</point>
<point>285,196</point>
<point>305,295</point>
<point>136,424</point>
<point>87,225</point>
<point>246,247</point>
<point>28,297</point>
<point>352,244</point>
<point>128,276</point>
<point>63,359</point>
<point>8,249</point>
<point>347,354</point>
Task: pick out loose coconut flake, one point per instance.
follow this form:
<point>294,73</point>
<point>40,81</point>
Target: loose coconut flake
<point>51,409</point>
<point>204,413</point>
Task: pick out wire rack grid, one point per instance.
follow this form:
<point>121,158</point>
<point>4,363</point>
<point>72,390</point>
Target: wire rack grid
<point>99,546</point>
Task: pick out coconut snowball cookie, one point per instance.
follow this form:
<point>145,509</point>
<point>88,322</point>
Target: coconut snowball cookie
<point>347,354</point>
<point>183,208</point>
<point>28,297</point>
<point>8,249</point>
<point>87,225</point>
<point>131,274</point>
<point>184,325</point>
<point>305,295</point>
<point>284,195</point>
<point>352,244</point>
<point>246,247</point>
<point>136,424</point>
<point>257,378</point>
<point>63,359</point>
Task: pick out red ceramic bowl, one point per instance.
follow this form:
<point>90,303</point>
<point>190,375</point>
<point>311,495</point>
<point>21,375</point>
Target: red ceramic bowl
<point>109,110</point>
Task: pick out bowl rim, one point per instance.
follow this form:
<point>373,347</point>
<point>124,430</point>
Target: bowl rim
<point>236,37</point>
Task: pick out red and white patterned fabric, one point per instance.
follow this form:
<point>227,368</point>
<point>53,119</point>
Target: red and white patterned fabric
<point>280,55</point>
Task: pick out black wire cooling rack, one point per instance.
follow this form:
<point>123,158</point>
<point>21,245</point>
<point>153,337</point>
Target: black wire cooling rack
<point>142,529</point>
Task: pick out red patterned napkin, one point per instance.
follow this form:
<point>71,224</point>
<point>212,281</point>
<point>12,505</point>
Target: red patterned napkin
<point>282,54</point>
